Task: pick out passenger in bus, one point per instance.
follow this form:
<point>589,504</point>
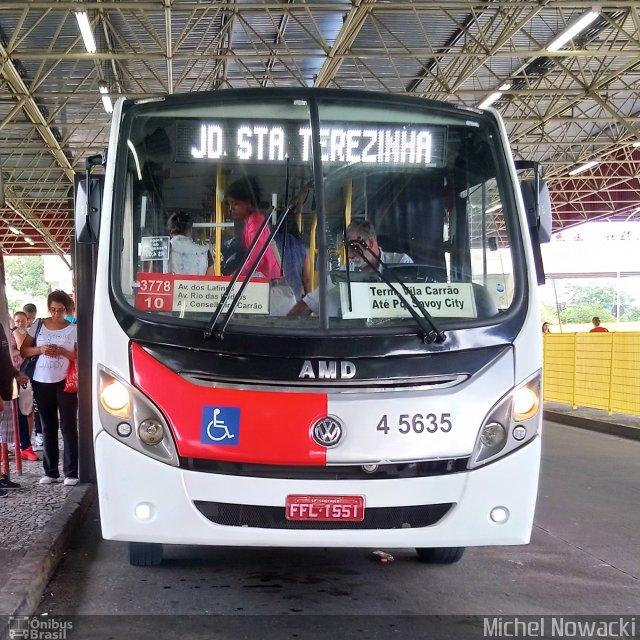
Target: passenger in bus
<point>243,197</point>
<point>186,256</point>
<point>364,232</point>
<point>294,257</point>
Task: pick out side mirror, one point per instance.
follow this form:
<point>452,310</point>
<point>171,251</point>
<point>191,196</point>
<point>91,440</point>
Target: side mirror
<point>88,202</point>
<point>537,204</point>
<point>88,222</point>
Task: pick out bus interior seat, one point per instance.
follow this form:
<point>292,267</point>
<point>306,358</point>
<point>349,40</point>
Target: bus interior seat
<point>486,306</point>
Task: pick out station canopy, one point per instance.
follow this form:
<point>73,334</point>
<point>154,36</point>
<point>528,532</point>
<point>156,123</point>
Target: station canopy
<point>565,102</point>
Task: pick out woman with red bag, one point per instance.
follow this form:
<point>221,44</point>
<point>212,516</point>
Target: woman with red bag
<point>54,341</point>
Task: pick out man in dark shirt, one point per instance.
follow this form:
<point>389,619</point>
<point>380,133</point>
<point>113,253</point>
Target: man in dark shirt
<point>7,371</point>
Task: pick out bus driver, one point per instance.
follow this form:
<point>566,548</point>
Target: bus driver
<point>364,232</point>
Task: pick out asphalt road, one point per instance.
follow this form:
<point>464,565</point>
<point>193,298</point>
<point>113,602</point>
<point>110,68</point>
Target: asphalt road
<point>584,559</point>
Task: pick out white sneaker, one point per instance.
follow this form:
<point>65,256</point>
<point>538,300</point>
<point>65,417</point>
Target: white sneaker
<point>70,482</point>
<point>38,440</point>
<point>48,480</point>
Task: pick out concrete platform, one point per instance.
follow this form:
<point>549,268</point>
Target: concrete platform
<point>36,521</point>
<point>617,424</point>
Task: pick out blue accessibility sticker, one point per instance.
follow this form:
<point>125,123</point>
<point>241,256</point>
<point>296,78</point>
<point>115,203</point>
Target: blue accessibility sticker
<point>221,426</point>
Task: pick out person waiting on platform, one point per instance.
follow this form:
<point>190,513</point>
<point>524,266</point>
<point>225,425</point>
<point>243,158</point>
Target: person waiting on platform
<point>369,259</point>
<point>595,321</point>
<point>546,328</point>
<point>25,398</point>
<point>54,341</point>
<point>8,373</point>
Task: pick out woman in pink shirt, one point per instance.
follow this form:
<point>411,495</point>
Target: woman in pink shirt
<point>243,196</point>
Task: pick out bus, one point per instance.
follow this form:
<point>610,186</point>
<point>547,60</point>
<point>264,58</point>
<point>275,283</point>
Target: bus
<point>401,409</point>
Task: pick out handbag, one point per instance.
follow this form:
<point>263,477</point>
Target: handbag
<point>71,382</point>
<point>25,399</point>
<point>28,365</point>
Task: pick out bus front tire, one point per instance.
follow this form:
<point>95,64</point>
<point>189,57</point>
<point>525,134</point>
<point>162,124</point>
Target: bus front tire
<point>145,554</point>
<point>440,555</point>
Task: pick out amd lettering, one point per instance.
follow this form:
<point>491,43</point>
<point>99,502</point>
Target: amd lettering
<point>328,370</point>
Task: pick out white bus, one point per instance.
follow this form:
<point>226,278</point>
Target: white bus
<point>394,401</point>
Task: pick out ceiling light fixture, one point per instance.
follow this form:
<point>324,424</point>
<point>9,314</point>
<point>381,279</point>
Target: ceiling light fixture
<point>106,100</point>
<point>636,143</point>
<point>14,230</point>
<point>573,30</point>
<point>487,102</point>
<point>85,30</point>
<point>584,167</point>
<point>505,86</point>
<point>28,240</point>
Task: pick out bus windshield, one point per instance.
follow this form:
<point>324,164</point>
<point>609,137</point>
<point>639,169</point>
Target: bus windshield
<point>312,214</point>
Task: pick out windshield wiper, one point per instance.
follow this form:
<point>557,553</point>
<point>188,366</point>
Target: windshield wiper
<point>431,332</point>
<point>219,333</point>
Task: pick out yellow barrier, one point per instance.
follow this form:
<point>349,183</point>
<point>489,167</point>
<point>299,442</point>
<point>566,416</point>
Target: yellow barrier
<point>597,370</point>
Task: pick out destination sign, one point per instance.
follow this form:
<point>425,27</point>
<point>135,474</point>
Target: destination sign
<point>197,294</point>
<point>377,300</point>
<point>279,141</point>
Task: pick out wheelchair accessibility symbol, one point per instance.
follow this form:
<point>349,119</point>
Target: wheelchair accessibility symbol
<point>220,425</point>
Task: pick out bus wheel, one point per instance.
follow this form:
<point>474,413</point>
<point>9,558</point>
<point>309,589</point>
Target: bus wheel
<point>145,554</point>
<point>440,555</point>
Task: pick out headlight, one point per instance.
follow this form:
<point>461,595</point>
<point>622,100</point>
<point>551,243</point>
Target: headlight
<point>525,403</point>
<point>133,419</point>
<point>493,435</point>
<point>512,422</point>
<point>115,399</point>
<point>150,432</point>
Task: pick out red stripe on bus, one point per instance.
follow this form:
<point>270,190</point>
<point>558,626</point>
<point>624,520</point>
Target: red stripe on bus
<point>274,426</point>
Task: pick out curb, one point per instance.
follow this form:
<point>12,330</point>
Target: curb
<point>612,428</point>
<point>23,591</point>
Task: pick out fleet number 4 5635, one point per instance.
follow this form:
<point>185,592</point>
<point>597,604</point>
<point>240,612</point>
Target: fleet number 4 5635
<point>416,423</point>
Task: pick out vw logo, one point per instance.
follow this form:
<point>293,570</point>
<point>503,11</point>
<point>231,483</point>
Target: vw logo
<point>327,432</point>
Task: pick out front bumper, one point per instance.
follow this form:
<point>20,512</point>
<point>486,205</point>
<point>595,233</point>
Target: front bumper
<point>130,478</point>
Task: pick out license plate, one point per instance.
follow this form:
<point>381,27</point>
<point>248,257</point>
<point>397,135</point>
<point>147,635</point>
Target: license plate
<point>325,508</point>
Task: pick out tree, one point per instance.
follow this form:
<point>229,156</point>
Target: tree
<point>602,296</point>
<point>584,313</point>
<point>25,274</point>
<point>586,301</point>
<point>548,313</point>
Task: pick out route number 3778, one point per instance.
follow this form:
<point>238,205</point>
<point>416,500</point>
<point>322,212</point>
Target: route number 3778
<point>416,423</point>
